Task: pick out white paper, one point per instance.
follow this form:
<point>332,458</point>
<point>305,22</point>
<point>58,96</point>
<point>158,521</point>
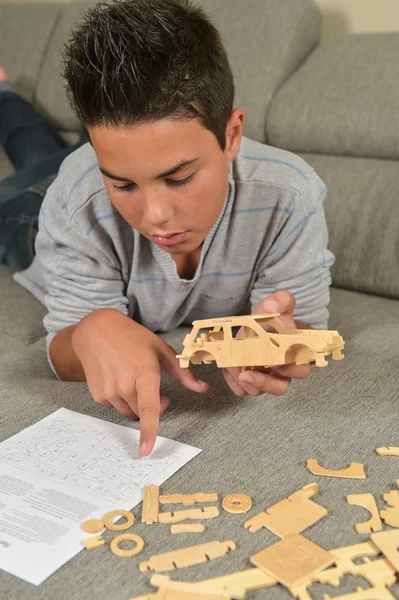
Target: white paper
<point>62,471</point>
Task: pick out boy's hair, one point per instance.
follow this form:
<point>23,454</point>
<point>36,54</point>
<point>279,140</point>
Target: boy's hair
<point>137,61</point>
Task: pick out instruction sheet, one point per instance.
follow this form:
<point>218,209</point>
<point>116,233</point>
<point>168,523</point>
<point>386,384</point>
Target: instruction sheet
<point>62,471</point>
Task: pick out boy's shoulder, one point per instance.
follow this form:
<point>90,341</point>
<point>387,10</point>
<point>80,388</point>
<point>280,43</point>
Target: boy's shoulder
<point>258,163</point>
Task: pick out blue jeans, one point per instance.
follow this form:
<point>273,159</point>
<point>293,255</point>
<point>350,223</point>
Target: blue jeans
<point>36,151</point>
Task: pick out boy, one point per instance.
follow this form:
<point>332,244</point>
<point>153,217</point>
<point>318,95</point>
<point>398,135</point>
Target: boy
<point>169,215</point>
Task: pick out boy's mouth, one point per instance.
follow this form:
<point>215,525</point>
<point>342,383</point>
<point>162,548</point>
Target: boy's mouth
<point>169,239</point>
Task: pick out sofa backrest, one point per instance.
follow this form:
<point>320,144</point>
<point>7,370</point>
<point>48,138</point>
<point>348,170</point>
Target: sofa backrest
<point>266,41</point>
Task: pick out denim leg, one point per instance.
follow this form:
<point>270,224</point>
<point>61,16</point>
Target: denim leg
<point>26,136</point>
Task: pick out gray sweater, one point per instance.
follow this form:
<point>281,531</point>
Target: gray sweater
<point>270,235</point>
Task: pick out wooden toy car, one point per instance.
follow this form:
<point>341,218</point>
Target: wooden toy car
<point>261,340</point>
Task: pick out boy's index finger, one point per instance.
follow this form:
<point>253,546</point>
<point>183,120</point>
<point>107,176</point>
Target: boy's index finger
<point>148,401</point>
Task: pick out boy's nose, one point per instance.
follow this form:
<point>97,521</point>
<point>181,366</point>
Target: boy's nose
<point>157,210</point>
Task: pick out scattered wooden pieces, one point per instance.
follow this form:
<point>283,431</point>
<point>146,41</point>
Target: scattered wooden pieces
<point>94,542</point>
<point>366,501</point>
<point>237,503</point>
<point>150,505</point>
<point>291,515</point>
<point>249,580</point>
<point>182,590</point>
<point>188,528</point>
<point>118,513</point>
<point>388,543</point>
<point>131,537</point>
<point>186,557</point>
<point>374,593</point>
<point>293,560</point>
<point>193,513</point>
<point>93,526</point>
<point>354,471</point>
<point>391,515</point>
<point>390,451</point>
<point>188,499</point>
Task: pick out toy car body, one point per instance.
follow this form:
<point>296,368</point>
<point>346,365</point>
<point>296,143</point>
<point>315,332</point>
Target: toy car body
<point>260,341</point>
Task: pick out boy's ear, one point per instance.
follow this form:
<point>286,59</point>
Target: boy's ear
<point>234,133</point>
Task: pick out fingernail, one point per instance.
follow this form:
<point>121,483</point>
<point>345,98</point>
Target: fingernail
<point>143,451</point>
<point>246,377</point>
<point>270,305</point>
<point>202,382</point>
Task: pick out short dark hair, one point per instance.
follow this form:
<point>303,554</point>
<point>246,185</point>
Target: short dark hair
<point>136,61</point>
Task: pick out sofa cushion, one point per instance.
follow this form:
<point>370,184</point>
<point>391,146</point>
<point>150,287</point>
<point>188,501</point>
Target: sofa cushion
<point>258,446</point>
<point>6,167</point>
<point>362,213</point>
<point>343,100</point>
<point>265,44</point>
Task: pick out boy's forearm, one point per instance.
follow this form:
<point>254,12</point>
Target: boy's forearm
<point>65,362</point>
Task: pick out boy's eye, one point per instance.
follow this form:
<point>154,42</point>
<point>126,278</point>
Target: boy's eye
<point>124,188</point>
<point>177,182</point>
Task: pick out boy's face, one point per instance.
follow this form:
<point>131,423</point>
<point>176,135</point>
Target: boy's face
<point>168,179</point>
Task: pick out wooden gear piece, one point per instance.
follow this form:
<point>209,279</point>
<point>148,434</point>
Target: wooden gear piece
<point>293,561</point>
<point>182,590</point>
<point>94,542</point>
<point>124,537</point>
<point>150,509</point>
<point>188,528</point>
<point>187,557</point>
<point>255,346</point>
<point>391,515</point>
<point>291,515</point>
<point>366,501</point>
<point>118,513</point>
<point>388,543</point>
<point>237,503</point>
<point>93,526</point>
<point>390,451</point>
<point>187,499</point>
<point>209,512</point>
<point>354,471</point>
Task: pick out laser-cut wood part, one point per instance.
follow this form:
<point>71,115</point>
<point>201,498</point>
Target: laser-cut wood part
<point>366,501</point>
<point>237,503</point>
<point>391,515</point>
<point>188,528</point>
<point>209,512</point>
<point>388,543</point>
<point>293,560</point>
<point>188,499</point>
<point>390,451</point>
<point>291,515</point>
<point>93,526</point>
<point>94,542</point>
<point>118,513</point>
<point>183,590</point>
<point>374,593</point>
<point>249,580</point>
<point>354,471</point>
<point>150,509</point>
<point>127,537</point>
<point>255,346</point>
<point>186,557</point>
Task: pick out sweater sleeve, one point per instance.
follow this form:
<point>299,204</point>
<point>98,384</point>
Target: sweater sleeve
<point>299,260</point>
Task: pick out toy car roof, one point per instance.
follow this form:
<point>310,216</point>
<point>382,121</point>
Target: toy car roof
<point>239,318</point>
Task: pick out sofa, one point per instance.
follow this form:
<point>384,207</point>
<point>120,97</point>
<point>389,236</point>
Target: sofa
<point>334,102</point>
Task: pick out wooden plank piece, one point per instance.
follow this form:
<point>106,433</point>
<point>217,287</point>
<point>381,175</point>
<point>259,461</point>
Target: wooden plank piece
<point>187,499</point>
<point>150,504</point>
<point>186,557</point>
<point>209,512</point>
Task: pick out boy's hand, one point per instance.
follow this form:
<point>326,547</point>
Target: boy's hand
<point>122,361</point>
<point>277,379</point>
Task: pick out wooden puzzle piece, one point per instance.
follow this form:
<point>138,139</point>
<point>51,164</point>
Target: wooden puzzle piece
<point>354,471</point>
<point>293,561</point>
<point>186,557</point>
<point>374,593</point>
<point>391,515</point>
<point>291,515</point>
<point>188,499</point>
<point>94,542</point>
<point>388,543</point>
<point>237,503</point>
<point>183,590</point>
<point>150,505</point>
<point>93,526</point>
<point>188,528</point>
<point>389,451</point>
<point>118,513</point>
<point>124,537</point>
<point>366,501</point>
<point>209,512</point>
